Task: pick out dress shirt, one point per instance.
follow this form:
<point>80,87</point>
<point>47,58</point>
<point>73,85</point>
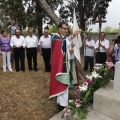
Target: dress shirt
<point>17,41</point>
<point>104,43</point>
<point>31,41</point>
<point>45,42</point>
<point>89,51</point>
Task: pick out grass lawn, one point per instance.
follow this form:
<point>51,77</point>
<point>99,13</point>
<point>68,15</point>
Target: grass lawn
<point>25,95</point>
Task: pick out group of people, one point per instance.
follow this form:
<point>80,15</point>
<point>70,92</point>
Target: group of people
<point>103,50</point>
<point>13,47</point>
<point>57,53</point>
<point>58,56</point>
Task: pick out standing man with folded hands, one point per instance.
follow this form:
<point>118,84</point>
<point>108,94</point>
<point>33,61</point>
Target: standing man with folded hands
<point>18,43</point>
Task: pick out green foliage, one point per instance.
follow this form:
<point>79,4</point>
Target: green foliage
<point>111,30</point>
<point>85,9</point>
<point>4,20</point>
<point>15,10</point>
<point>107,29</point>
<point>53,29</point>
<point>84,94</point>
<point>89,31</point>
<point>26,13</point>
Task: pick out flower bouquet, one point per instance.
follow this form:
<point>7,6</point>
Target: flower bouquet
<point>101,75</point>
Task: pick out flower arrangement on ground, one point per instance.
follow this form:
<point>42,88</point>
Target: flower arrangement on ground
<point>101,75</point>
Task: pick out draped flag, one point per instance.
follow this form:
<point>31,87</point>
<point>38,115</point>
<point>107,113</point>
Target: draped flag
<point>77,40</point>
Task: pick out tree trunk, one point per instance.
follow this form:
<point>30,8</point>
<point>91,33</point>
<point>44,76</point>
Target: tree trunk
<point>81,11</point>
<point>48,11</point>
<point>39,19</point>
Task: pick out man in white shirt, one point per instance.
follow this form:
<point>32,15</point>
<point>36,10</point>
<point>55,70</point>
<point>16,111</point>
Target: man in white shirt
<point>89,52</point>
<point>18,44</point>
<point>101,49</point>
<point>45,49</point>
<point>31,51</point>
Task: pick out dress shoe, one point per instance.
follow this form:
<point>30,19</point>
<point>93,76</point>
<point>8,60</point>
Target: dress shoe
<point>35,69</point>
<point>61,108</point>
<point>17,70</point>
<point>23,70</point>
<point>30,69</point>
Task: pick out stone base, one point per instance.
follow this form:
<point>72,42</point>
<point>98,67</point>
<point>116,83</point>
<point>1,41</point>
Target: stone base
<point>92,115</point>
<point>58,117</point>
<point>107,102</point>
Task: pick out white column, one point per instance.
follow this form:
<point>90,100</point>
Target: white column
<point>116,86</point>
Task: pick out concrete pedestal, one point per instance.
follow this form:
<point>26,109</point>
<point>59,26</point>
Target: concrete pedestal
<point>107,102</point>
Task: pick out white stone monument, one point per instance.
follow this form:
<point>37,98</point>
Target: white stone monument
<point>107,100</point>
<point>116,86</point>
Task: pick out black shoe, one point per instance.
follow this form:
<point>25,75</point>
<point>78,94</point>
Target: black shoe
<point>23,70</point>
<point>47,70</point>
<point>17,70</point>
<point>61,108</point>
<point>30,69</point>
<point>35,69</point>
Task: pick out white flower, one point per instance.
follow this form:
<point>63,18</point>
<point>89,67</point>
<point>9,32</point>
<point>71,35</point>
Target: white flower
<point>78,103</point>
<point>89,77</point>
<point>97,68</point>
<point>84,86</point>
<point>67,112</point>
<point>95,75</point>
<point>97,64</point>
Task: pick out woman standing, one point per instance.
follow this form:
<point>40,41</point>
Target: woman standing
<point>5,50</point>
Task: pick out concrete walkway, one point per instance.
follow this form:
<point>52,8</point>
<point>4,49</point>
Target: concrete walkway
<point>92,115</point>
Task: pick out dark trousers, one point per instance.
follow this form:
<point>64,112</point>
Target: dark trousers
<point>101,57</point>
<point>46,53</point>
<point>32,55</point>
<point>88,59</point>
<point>19,55</point>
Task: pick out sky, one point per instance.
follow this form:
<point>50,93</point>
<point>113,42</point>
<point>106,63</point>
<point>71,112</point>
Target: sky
<point>112,17</point>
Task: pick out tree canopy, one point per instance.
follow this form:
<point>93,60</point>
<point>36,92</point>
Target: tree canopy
<point>31,13</point>
<point>85,9</point>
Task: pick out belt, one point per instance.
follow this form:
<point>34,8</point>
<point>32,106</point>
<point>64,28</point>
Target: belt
<point>18,48</point>
<point>46,48</point>
<point>32,48</point>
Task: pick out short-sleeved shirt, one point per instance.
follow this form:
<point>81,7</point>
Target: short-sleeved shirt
<point>45,42</point>
<point>89,51</point>
<point>104,43</point>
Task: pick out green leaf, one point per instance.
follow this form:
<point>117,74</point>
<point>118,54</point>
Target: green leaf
<point>73,112</point>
